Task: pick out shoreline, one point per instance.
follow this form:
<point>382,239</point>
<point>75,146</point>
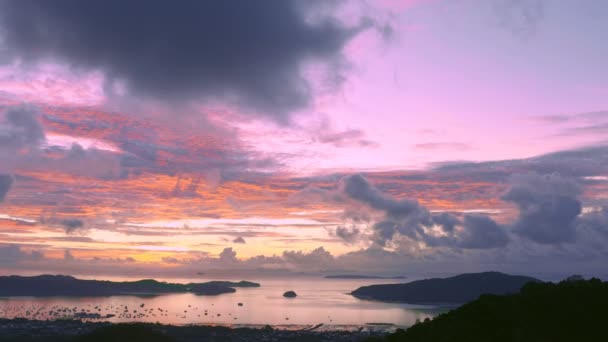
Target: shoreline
<point>66,330</point>
<point>322,327</point>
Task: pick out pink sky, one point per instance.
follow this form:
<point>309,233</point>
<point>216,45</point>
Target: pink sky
<point>97,163</point>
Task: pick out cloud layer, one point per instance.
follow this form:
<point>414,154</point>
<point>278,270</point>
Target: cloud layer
<point>240,51</point>
<point>548,207</point>
<point>6,181</point>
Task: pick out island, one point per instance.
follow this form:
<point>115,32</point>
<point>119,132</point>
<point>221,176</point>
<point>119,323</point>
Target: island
<point>62,285</point>
<point>360,276</point>
<point>454,290</point>
<point>211,289</point>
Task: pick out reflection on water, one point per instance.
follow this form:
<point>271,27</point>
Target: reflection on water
<point>319,301</point>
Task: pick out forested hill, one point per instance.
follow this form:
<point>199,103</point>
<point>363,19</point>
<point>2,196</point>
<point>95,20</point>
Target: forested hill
<point>568,311</point>
<point>61,285</point>
<point>459,289</point>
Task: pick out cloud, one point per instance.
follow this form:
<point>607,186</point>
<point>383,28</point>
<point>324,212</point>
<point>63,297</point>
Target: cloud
<point>587,124</point>
<point>13,254</point>
<point>71,225</point>
<point>67,255</point>
<point>579,117</point>
<point>481,232</point>
<point>24,147</point>
<point>358,188</point>
<point>347,138</point>
<point>228,256</point>
<point>446,221</point>
<point>347,235</point>
<point>6,182</point>
<point>408,219</point>
<point>548,207</point>
<point>520,17</point>
<point>20,128</point>
<point>289,261</point>
<point>317,258</point>
<point>595,221</point>
<point>251,53</point>
<point>576,163</point>
<point>197,149</point>
<point>444,146</point>
<point>239,239</point>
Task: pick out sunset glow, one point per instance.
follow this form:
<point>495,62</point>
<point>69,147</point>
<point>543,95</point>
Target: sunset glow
<point>387,137</point>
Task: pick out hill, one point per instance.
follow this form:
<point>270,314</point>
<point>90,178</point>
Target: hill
<point>459,289</point>
<point>568,311</point>
<point>61,285</point>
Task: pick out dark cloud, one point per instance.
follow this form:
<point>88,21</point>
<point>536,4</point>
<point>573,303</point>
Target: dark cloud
<point>406,218</point>
<point>578,163</point>
<point>358,188</point>
<point>239,239</point>
<point>348,235</point>
<point>6,181</point>
<point>481,232</point>
<point>71,225</point>
<point>446,221</point>
<point>595,221</point>
<point>548,207</point>
<point>384,231</point>
<point>20,128</point>
<point>473,231</point>
<point>13,254</point>
<point>246,52</point>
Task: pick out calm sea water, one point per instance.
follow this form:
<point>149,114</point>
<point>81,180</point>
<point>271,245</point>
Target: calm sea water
<point>319,301</point>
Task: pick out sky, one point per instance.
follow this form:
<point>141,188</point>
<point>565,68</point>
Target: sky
<point>278,137</point>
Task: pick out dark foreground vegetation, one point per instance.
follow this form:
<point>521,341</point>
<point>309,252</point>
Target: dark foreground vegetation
<point>23,330</point>
<point>573,310</point>
<point>60,285</point>
<point>458,289</point>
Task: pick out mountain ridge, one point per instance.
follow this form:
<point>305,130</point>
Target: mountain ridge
<point>64,285</point>
<point>452,290</point>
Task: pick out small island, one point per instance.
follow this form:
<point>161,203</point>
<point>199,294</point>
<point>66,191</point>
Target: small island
<point>454,290</point>
<point>61,285</point>
<point>290,294</point>
<point>211,289</point>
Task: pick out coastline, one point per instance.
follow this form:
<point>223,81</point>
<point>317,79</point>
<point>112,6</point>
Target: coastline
<point>65,330</point>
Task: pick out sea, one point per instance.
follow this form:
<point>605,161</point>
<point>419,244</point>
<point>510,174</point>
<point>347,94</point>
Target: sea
<point>320,302</point>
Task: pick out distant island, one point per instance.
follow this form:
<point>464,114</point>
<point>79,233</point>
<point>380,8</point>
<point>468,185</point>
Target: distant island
<point>573,310</point>
<point>454,290</point>
<point>290,294</point>
<point>360,276</point>
<point>61,285</point>
<point>213,288</point>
